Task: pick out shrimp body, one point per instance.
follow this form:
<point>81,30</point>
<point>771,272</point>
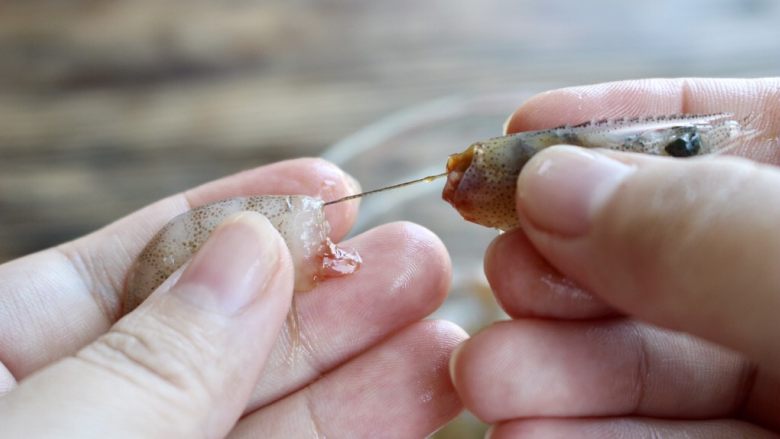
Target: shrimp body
<point>299,219</point>
<point>481,181</point>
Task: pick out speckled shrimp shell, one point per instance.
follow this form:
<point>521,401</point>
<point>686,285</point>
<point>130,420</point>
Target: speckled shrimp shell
<point>299,219</point>
<point>481,180</point>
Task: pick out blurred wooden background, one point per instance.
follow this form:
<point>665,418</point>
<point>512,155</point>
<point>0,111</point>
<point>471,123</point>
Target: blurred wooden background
<point>106,106</point>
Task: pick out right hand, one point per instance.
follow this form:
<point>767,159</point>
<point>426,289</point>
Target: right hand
<point>692,246</point>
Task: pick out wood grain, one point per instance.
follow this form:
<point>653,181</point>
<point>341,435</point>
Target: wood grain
<point>106,106</point>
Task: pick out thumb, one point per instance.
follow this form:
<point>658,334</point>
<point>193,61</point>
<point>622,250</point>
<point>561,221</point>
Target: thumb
<point>184,363</point>
<point>691,245</point>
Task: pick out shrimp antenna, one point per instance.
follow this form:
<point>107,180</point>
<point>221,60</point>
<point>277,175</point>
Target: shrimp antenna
<point>427,179</point>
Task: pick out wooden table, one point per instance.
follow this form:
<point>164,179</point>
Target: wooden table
<point>107,106</point>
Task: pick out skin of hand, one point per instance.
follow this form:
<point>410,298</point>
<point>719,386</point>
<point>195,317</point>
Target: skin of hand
<point>644,291</point>
<point>211,355</point>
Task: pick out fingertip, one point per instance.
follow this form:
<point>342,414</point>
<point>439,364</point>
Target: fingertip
<point>507,127</point>
<point>335,183</point>
<point>525,284</point>
<point>428,254</point>
<point>453,361</point>
<point>458,337</point>
<point>455,364</point>
<point>449,332</point>
<point>549,109</point>
<point>526,116</point>
<point>318,177</point>
<point>409,262</point>
<point>238,264</point>
<point>473,366</point>
<point>573,105</point>
<point>508,260</point>
<point>563,188</point>
<point>506,263</point>
<point>310,176</point>
<point>7,380</point>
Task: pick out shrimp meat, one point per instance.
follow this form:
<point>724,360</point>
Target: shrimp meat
<point>299,219</point>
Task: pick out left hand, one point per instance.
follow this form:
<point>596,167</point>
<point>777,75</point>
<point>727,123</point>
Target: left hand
<point>362,364</point>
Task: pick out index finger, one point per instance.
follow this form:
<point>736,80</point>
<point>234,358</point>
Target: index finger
<point>755,99</point>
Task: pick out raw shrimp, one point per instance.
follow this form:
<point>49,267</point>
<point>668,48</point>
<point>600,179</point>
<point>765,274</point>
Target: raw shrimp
<point>480,185</point>
<point>299,219</point>
<point>481,180</point>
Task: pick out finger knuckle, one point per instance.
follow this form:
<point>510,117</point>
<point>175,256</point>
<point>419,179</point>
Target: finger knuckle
<point>156,357</point>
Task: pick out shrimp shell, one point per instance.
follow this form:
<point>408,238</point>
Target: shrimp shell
<point>481,181</point>
<point>299,219</point>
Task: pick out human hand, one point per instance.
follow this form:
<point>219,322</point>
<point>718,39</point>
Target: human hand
<point>192,361</point>
<point>688,245</point>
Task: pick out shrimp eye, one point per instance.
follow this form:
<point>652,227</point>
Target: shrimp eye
<point>688,144</point>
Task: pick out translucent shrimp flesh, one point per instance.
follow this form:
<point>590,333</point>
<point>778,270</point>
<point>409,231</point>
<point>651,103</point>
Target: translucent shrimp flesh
<point>299,219</point>
<point>481,180</point>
